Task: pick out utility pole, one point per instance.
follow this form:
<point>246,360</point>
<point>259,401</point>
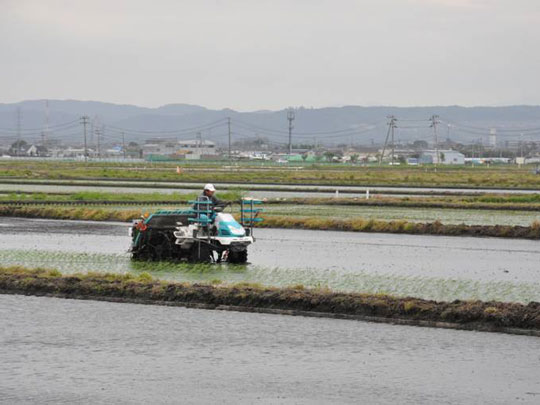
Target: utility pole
<point>229,130</point>
<point>434,122</point>
<point>98,136</point>
<point>84,121</point>
<point>385,142</point>
<point>199,141</point>
<point>92,130</point>
<point>19,136</point>
<point>46,131</point>
<point>391,125</point>
<point>290,117</point>
<point>124,145</point>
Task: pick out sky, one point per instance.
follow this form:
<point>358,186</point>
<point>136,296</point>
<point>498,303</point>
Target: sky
<point>270,54</point>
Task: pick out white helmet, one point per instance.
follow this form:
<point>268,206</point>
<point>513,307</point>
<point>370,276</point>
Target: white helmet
<point>209,187</point>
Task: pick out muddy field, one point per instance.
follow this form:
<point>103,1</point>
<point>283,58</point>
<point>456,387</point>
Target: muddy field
<point>70,351</point>
<point>442,268</point>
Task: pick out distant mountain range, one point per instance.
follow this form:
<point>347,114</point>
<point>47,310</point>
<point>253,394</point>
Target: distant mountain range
<point>332,125</point>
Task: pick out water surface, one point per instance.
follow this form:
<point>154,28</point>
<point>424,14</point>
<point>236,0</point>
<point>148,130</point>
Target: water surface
<point>432,267</point>
<point>74,352</point>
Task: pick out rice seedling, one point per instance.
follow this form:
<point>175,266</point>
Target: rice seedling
<point>313,223</point>
<point>472,314</point>
<point>347,280</point>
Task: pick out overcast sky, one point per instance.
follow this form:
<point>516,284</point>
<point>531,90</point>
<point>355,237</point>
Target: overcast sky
<point>258,54</point>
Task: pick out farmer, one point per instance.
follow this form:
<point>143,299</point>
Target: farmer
<point>209,191</point>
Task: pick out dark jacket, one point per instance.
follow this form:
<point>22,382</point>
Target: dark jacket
<point>216,202</point>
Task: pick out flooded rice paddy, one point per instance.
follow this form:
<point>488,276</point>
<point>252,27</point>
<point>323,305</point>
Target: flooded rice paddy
<point>256,190</point>
<point>442,268</point>
<point>132,188</point>
<point>299,187</point>
<point>70,352</point>
<point>445,216</point>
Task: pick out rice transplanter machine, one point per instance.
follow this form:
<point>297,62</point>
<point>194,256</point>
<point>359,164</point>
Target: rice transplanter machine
<point>202,233</point>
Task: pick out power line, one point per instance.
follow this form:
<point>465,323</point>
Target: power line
<point>297,133</point>
<point>481,133</point>
<point>336,134</point>
<point>412,127</point>
<point>38,130</point>
<point>37,133</point>
<point>209,125</point>
<point>499,129</point>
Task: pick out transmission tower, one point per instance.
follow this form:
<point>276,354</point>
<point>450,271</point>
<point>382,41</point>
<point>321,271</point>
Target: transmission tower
<point>290,117</point>
<point>84,121</point>
<point>229,131</point>
<point>124,145</point>
<point>45,132</point>
<point>199,143</point>
<point>98,141</point>
<point>19,136</point>
<point>434,122</point>
<point>93,123</point>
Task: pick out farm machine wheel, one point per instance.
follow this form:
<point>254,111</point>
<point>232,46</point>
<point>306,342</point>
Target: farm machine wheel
<point>159,247</point>
<point>237,257</point>
<point>201,253</point>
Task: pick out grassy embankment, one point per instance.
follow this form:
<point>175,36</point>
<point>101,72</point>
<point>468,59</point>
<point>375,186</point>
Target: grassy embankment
<point>97,196</point>
<point>520,202</point>
<point>354,224</point>
<point>296,300</point>
<point>495,176</point>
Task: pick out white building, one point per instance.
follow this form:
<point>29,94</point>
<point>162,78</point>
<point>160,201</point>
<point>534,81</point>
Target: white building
<point>445,157</point>
<point>197,147</point>
<point>192,148</point>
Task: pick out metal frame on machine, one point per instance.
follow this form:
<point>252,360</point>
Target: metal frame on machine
<point>249,206</point>
<point>202,205</point>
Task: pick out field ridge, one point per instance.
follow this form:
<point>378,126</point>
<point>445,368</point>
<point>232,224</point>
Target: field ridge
<point>469,315</point>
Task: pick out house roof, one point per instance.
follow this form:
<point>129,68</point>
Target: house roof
<point>196,142</point>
